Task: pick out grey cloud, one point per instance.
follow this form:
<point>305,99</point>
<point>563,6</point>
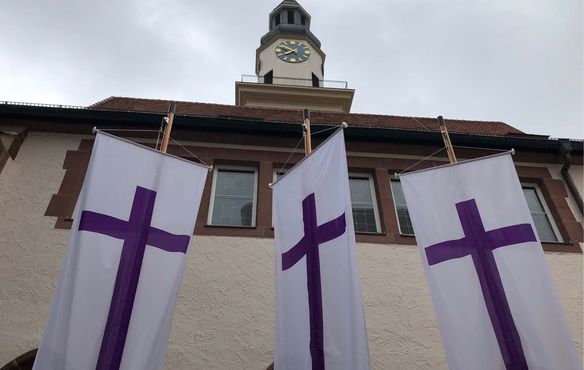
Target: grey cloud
<point>513,61</point>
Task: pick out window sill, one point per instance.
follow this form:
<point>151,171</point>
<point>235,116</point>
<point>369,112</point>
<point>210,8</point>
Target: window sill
<point>369,233</point>
<point>230,226</point>
<point>554,243</point>
<point>561,247</point>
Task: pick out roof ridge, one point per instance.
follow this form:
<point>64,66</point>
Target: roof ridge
<point>272,114</point>
<point>105,100</point>
<point>418,117</point>
<point>299,110</point>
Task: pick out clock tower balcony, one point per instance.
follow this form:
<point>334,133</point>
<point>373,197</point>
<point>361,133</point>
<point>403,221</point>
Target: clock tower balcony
<point>293,93</point>
<point>292,81</point>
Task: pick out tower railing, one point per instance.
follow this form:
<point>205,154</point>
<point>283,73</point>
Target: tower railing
<point>290,81</point>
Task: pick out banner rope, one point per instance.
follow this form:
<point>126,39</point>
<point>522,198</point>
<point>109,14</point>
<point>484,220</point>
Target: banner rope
<point>291,154</point>
<point>191,153</point>
<point>420,161</point>
<point>157,140</point>
<point>160,130</point>
<point>325,129</point>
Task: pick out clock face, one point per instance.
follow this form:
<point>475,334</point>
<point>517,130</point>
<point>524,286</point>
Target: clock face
<point>292,51</point>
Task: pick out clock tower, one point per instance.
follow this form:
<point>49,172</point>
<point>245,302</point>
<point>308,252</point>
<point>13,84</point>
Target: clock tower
<point>290,68</point>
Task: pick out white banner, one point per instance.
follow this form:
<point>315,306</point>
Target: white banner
<point>320,322</point>
<point>494,298</point>
<point>121,275</point>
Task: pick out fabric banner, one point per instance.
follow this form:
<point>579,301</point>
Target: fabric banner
<point>494,298</point>
<point>121,274</point>
<point>320,322</point>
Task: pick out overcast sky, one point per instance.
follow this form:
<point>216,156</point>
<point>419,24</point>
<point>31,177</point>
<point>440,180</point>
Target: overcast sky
<point>517,61</point>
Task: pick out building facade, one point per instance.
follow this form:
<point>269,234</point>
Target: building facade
<point>225,313</point>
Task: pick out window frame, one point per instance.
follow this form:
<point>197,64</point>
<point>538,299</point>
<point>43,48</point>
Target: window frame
<point>399,227</point>
<point>247,169</point>
<point>369,177</point>
<point>276,171</point>
<point>546,209</point>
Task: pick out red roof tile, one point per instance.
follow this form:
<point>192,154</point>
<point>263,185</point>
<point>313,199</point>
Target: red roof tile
<point>295,116</point>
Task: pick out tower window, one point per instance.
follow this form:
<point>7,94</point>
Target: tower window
<point>269,77</point>
<point>290,16</point>
<point>315,81</point>
<point>302,19</point>
<point>277,20</point>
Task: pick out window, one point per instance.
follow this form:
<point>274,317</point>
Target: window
<point>233,197</point>
<point>279,173</point>
<point>290,17</point>
<point>401,209</point>
<point>546,229</point>
<point>544,224</point>
<point>365,216</point>
<point>277,20</point>
<point>269,77</point>
<point>315,81</point>
<point>302,19</point>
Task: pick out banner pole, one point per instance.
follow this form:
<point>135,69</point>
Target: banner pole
<point>306,127</point>
<point>447,142</point>
<point>168,128</point>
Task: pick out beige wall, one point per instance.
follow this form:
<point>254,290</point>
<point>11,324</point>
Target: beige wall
<point>270,61</point>
<point>30,248</point>
<point>224,318</point>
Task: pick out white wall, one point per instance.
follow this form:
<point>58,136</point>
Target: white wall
<point>225,314</point>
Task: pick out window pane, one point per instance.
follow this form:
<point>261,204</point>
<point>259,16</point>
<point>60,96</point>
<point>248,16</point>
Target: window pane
<point>405,224</point>
<point>360,190</point>
<point>234,183</point>
<point>233,203</point>
<point>540,218</point>
<point>398,192</point>
<point>362,203</point>
<point>232,212</point>
<point>532,200</point>
<point>403,216</point>
<point>364,220</point>
<point>543,227</point>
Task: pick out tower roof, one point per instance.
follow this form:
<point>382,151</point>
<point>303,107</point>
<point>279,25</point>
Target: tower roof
<point>289,18</point>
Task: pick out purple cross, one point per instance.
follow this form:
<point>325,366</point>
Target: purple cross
<point>136,234</point>
<point>480,245</point>
<point>308,246</point>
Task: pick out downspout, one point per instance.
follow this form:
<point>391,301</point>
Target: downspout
<point>565,150</point>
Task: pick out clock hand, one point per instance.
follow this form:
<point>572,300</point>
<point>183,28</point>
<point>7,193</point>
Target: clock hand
<point>291,51</point>
<point>286,47</point>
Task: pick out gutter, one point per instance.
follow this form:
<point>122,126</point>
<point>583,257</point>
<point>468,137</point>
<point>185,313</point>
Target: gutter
<point>566,151</point>
<point>80,120</point>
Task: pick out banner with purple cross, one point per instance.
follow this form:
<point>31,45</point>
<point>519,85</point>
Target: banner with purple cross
<point>124,261</point>
<point>320,320</point>
<point>494,297</point>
